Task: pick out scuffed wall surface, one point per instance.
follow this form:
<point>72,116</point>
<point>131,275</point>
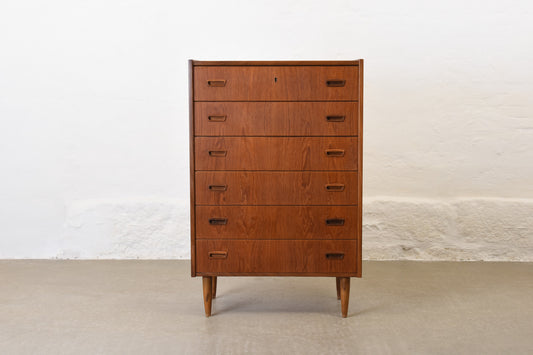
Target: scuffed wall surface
<point>94,119</point>
<point>394,229</point>
<point>145,228</point>
<point>460,229</point>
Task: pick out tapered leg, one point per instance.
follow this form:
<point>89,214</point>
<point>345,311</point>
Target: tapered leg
<point>208,287</point>
<point>345,295</point>
<point>338,282</point>
<point>214,287</point>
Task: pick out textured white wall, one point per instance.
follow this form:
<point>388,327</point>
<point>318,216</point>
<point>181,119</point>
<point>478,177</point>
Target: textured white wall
<point>94,119</point>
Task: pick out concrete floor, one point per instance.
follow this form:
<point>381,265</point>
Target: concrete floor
<point>155,307</point>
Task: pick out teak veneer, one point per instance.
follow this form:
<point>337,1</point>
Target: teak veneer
<point>276,170</point>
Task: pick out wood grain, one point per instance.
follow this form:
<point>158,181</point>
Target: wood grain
<point>360,169</point>
<point>214,287</point>
<point>345,295</point>
<point>192,167</point>
<point>207,283</point>
<point>276,118</point>
<point>276,153</point>
<point>277,83</point>
<point>335,257</point>
<point>258,136</point>
<point>277,222</point>
<point>275,188</point>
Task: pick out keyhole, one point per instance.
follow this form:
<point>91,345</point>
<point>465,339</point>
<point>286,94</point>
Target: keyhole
<point>275,80</point>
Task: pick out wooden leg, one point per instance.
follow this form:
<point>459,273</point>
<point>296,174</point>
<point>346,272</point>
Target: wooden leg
<point>208,287</point>
<point>214,291</point>
<point>338,282</point>
<point>345,295</point>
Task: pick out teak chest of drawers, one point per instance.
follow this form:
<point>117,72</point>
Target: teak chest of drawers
<point>276,170</point>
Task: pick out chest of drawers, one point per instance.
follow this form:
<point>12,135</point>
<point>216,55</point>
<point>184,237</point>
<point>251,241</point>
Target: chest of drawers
<point>276,170</point>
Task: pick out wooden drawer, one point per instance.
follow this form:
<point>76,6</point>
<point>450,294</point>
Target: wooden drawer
<point>276,118</point>
<point>276,153</point>
<point>275,83</point>
<point>331,257</point>
<point>276,188</point>
<point>276,222</point>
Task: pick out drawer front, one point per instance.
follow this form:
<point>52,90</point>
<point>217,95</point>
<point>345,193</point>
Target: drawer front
<point>275,118</point>
<point>276,222</point>
<point>276,153</point>
<point>276,188</point>
<point>276,256</point>
<point>275,83</point>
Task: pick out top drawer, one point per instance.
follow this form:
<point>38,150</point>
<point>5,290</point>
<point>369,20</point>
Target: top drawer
<point>275,83</point>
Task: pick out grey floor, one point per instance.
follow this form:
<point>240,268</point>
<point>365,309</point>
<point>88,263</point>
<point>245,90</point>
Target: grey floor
<point>155,307</point>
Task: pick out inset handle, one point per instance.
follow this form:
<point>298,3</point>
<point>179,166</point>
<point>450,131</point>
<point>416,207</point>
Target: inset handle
<point>335,83</point>
<point>335,152</point>
<point>216,83</point>
<point>335,187</point>
<point>335,256</point>
<point>216,118</point>
<point>217,254</point>
<point>335,118</point>
<point>335,221</point>
<point>217,153</point>
<point>218,221</point>
<point>218,187</point>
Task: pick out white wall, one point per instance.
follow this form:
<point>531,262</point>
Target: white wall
<point>94,119</point>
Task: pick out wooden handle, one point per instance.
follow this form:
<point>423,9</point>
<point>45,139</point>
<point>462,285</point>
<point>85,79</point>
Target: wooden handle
<point>217,254</point>
<point>335,118</point>
<point>217,153</point>
<point>335,256</point>
<point>335,221</point>
<point>335,83</point>
<point>218,221</point>
<point>335,152</point>
<point>335,187</point>
<point>218,187</point>
<point>216,83</point>
<point>216,118</point>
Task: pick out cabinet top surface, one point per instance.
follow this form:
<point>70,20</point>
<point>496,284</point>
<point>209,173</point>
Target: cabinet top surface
<point>274,62</point>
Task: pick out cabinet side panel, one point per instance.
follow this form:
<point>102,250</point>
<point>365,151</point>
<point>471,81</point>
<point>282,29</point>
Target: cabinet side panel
<point>191,164</point>
<point>360,170</point>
